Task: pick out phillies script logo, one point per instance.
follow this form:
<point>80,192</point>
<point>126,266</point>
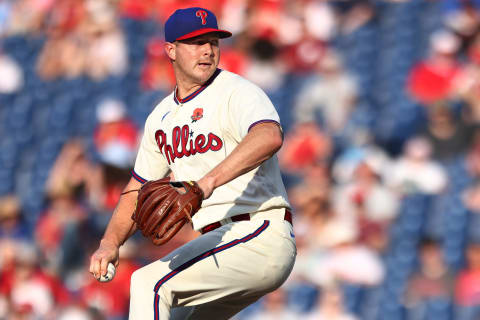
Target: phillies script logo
<point>183,145</point>
<point>202,14</point>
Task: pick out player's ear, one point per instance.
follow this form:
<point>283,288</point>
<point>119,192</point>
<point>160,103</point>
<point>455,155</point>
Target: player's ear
<point>170,50</point>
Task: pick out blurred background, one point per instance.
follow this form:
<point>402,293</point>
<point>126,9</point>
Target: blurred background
<point>380,103</point>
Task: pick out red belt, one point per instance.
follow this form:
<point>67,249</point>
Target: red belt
<point>242,217</point>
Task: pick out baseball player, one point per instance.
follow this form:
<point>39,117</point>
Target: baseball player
<point>221,131</point>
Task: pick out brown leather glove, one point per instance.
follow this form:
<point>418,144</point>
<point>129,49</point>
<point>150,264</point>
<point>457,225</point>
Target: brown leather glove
<point>163,208</point>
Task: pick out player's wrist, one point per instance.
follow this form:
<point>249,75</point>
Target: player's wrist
<point>108,242</point>
<point>207,185</point>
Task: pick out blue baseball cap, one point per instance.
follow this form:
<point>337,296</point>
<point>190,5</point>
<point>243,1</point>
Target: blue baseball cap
<point>191,22</point>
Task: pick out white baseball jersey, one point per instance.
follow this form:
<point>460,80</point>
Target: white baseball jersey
<point>191,136</point>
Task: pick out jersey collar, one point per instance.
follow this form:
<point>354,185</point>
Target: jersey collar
<point>196,92</point>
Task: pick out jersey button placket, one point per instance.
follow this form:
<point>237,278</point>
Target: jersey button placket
<point>177,108</point>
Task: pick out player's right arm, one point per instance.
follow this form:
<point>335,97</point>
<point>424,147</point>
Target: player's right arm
<point>149,165</point>
<point>119,229</point>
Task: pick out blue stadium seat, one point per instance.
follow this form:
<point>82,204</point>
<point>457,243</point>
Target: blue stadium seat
<point>9,157</point>
<point>390,309</point>
<point>466,313</point>
<point>352,297</point>
<point>6,181</point>
<point>370,303</point>
<point>302,297</point>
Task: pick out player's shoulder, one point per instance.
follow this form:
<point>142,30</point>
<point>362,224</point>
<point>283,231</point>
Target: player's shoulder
<point>237,83</point>
<point>162,107</point>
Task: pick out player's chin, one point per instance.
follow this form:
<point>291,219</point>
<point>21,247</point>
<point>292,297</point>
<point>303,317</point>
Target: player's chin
<point>205,71</point>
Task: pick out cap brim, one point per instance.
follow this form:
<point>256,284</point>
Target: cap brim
<point>221,33</point>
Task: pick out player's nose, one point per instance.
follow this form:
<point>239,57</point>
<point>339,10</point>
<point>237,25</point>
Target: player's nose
<point>208,49</point>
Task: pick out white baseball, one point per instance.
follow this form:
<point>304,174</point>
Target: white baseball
<point>110,273</point>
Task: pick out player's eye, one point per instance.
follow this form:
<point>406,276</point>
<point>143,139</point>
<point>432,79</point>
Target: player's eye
<point>205,41</point>
<point>201,42</point>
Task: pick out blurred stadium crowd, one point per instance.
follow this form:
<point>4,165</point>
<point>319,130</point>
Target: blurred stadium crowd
<point>380,103</point>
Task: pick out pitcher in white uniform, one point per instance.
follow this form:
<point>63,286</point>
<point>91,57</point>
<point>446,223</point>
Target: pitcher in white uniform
<point>222,131</point>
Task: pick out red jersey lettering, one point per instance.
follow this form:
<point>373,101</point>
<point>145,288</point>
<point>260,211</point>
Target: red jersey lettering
<point>184,145</point>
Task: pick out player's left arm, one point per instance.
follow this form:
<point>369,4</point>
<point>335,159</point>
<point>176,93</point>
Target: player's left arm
<point>261,143</point>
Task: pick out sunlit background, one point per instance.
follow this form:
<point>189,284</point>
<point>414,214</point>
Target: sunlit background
<point>380,105</point>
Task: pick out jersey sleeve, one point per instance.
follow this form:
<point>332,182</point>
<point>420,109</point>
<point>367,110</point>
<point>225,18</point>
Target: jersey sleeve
<point>248,106</point>
<point>150,164</point>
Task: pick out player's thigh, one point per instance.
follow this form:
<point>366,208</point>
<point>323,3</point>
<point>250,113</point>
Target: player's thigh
<point>242,259</point>
<point>258,267</point>
<point>168,267</point>
<point>253,258</point>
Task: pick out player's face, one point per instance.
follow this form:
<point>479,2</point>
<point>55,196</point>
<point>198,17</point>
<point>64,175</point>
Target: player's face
<point>196,59</point>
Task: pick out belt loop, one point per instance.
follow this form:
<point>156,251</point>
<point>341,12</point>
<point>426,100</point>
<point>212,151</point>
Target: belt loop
<point>288,216</point>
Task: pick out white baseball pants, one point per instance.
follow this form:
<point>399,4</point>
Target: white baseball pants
<point>219,273</point>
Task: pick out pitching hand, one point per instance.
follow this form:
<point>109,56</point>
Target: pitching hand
<point>106,252</point>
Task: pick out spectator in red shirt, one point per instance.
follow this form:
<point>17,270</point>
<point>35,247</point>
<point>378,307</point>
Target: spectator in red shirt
<point>433,79</point>
<point>305,146</point>
<point>116,140</point>
<point>28,288</point>
<point>467,288</point>
<point>116,136</point>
